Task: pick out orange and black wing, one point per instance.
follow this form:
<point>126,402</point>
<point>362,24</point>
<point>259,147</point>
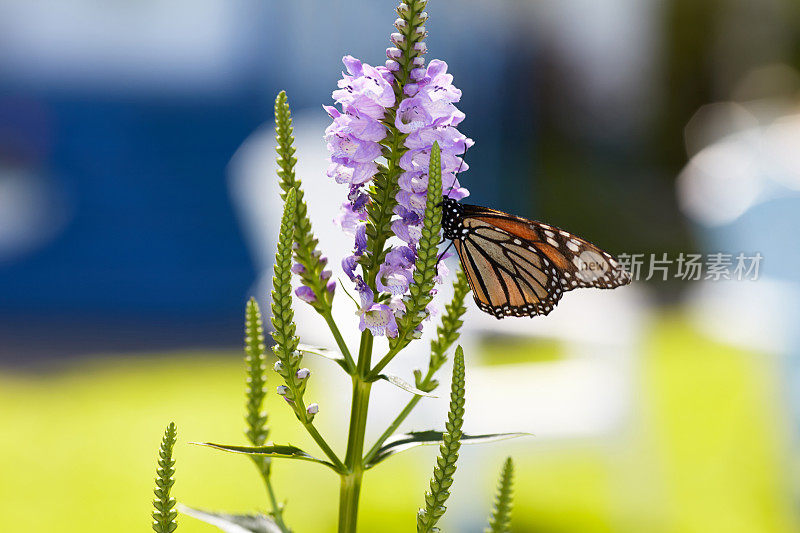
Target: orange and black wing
<point>519,267</point>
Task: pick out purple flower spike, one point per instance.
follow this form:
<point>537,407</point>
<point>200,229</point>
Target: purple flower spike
<point>306,294</point>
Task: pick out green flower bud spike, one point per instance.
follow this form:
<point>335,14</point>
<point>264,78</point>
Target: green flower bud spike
<point>445,467</point>
<point>164,515</point>
<point>500,519</point>
<point>306,252</point>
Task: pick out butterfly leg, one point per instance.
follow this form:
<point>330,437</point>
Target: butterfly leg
<point>442,254</point>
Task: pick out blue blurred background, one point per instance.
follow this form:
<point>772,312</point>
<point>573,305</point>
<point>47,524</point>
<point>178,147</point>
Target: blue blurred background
<point>137,209</point>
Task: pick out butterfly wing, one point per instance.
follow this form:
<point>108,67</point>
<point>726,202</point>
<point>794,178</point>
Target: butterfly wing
<point>520,267</point>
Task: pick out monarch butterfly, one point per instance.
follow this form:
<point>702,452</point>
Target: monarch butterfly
<point>520,267</point>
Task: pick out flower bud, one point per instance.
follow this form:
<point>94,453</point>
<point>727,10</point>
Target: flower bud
<point>331,287</point>
<point>417,74</point>
<point>278,366</point>
<point>411,89</point>
<point>392,65</point>
<point>303,373</point>
<point>323,260</point>
<point>418,62</point>
<point>420,30</point>
<point>400,24</point>
<point>306,294</point>
<point>402,9</point>
<point>420,47</point>
<point>393,53</point>
<point>325,275</point>
<point>297,268</point>
<point>423,16</point>
<point>316,253</point>
<point>397,38</point>
<point>312,409</point>
<point>282,390</point>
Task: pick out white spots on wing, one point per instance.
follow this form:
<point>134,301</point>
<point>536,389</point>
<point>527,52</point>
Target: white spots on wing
<point>552,242</point>
<point>517,242</point>
<point>572,244</point>
<point>549,234</point>
<point>567,275</point>
<point>564,233</point>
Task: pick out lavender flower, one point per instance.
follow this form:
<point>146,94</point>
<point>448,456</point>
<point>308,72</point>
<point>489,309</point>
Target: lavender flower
<point>306,294</point>
<point>378,318</point>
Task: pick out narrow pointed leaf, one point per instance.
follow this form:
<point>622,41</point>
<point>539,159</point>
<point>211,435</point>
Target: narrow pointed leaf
<point>414,439</point>
<point>327,353</point>
<point>231,523</point>
<point>285,451</point>
<point>401,384</point>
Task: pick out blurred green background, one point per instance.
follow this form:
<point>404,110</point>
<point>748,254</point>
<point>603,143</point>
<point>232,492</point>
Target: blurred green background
<point>703,454</point>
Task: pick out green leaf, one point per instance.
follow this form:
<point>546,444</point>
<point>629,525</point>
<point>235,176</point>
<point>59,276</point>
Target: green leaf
<point>500,519</point>
<point>233,523</point>
<point>306,252</point>
<point>327,353</point>
<point>283,451</point>
<point>401,384</point>
<point>445,468</point>
<point>164,515</point>
<point>413,439</point>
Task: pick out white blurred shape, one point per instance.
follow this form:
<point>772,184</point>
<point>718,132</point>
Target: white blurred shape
<point>155,44</point>
<point>713,122</point>
<point>757,315</point>
<point>782,143</point>
<point>721,182</point>
<point>32,212</point>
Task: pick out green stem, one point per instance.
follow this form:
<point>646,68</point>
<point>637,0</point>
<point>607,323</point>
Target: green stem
<point>324,446</point>
<point>277,510</point>
<point>373,374</point>
<point>354,464</point>
<point>340,341</point>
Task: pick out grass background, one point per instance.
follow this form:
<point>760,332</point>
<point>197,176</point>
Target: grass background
<point>706,452</point>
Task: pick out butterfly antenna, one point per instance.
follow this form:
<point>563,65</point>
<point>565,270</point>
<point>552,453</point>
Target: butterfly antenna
<point>457,171</point>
